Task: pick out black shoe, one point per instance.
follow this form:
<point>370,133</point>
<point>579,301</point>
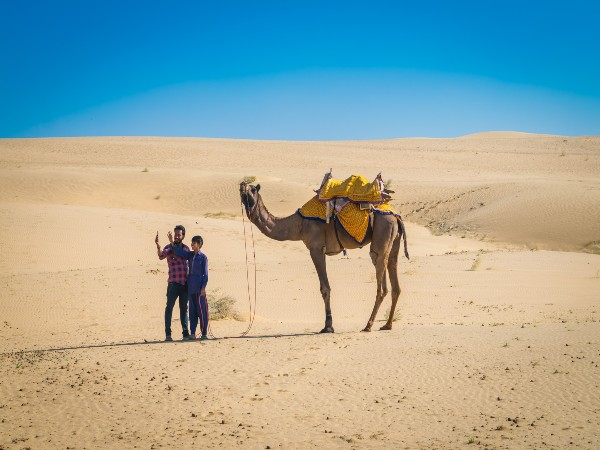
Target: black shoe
<point>204,338</point>
<point>169,339</point>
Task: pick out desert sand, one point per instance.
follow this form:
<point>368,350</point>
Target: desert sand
<point>496,343</point>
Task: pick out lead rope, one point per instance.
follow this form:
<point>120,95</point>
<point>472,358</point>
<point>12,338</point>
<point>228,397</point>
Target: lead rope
<point>252,307</point>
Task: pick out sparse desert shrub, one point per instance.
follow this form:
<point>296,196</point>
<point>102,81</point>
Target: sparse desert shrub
<point>221,306</point>
<point>475,264</point>
<point>145,169</point>
<point>592,247</point>
<point>219,215</point>
<point>249,179</point>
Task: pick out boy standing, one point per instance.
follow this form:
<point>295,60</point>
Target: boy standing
<point>177,287</point>
<point>197,281</point>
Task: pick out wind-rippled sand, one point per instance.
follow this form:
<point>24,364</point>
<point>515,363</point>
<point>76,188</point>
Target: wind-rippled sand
<point>497,342</point>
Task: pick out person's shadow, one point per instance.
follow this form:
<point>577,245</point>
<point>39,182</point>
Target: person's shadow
<point>147,342</point>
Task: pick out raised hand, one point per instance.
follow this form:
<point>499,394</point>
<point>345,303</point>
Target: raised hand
<point>170,236</point>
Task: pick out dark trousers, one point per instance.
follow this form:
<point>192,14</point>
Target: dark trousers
<point>175,290</point>
<point>198,311</point>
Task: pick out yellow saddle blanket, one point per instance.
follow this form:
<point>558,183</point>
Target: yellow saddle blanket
<point>353,219</point>
<point>356,188</point>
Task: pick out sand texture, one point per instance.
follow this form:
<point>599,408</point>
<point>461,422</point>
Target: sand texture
<point>496,343</point>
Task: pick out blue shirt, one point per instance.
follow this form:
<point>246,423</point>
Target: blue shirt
<point>198,265</point>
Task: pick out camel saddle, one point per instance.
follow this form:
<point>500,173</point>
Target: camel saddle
<point>349,203</point>
<point>355,188</point>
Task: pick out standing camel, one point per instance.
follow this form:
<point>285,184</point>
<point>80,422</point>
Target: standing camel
<point>384,234</point>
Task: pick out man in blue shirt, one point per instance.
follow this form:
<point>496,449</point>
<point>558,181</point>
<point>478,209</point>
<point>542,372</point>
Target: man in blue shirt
<point>197,281</point>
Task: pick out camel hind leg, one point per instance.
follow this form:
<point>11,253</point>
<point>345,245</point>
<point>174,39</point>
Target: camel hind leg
<point>384,231</point>
<point>379,260</point>
<point>392,267</point>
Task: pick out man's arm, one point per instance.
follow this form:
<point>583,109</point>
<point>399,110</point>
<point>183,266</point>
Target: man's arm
<point>204,277</point>
<point>159,252</point>
<point>178,251</point>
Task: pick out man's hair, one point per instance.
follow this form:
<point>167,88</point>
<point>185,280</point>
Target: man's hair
<point>198,240</point>
<point>180,228</point>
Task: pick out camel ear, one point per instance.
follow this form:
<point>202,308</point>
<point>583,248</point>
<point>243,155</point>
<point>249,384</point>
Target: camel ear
<point>257,187</point>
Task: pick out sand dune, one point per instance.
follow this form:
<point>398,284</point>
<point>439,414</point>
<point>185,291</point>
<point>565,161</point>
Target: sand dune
<point>496,344</point>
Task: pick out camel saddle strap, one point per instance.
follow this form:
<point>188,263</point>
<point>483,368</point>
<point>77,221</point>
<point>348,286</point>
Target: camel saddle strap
<point>335,227</point>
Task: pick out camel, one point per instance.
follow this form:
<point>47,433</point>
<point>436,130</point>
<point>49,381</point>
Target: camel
<point>384,234</point>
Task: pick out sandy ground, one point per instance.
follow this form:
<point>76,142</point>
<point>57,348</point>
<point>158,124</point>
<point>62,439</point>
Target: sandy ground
<point>497,342</point>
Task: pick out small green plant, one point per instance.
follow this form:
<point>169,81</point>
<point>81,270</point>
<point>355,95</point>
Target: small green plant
<point>145,169</point>
<point>470,440</point>
<point>592,247</point>
<point>221,306</point>
<point>249,179</point>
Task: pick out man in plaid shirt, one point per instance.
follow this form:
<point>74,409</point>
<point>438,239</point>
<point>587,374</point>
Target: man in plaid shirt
<point>177,287</point>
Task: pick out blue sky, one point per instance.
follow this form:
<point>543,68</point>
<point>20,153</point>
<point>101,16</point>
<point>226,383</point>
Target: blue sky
<point>298,70</point>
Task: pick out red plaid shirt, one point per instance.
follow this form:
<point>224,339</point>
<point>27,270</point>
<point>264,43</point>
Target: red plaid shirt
<point>178,266</point>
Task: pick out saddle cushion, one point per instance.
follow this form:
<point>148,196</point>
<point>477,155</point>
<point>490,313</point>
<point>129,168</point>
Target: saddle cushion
<point>355,188</point>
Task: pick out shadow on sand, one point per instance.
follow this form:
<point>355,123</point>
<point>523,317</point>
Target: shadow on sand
<point>146,342</point>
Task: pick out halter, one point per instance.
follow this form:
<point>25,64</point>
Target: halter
<point>256,204</point>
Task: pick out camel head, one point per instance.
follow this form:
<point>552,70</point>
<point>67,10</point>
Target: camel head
<point>249,196</point>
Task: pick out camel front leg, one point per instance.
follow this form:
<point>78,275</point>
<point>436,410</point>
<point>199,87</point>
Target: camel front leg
<point>319,261</point>
<point>380,261</point>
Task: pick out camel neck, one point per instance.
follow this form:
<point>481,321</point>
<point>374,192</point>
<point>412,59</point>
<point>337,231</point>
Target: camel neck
<point>278,228</point>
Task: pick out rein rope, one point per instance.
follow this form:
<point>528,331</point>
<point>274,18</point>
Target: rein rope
<point>252,307</point>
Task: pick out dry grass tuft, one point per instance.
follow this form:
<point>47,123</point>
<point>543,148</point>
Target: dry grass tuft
<point>222,307</point>
<point>475,264</point>
<point>219,215</point>
<point>592,247</point>
<point>387,315</point>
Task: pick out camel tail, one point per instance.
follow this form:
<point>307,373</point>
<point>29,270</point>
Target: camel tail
<point>403,235</point>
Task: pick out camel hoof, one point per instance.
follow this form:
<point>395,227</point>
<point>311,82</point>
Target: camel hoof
<point>386,327</point>
<point>366,330</point>
<point>327,330</point>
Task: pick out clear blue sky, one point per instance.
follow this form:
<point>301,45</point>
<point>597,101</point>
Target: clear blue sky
<point>298,70</point>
